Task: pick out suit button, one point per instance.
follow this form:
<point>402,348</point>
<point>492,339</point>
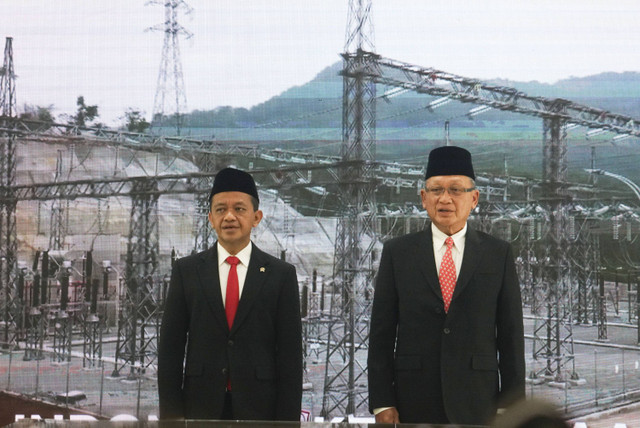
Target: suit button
<point>438,310</point>
<point>224,371</point>
<point>446,331</point>
<point>230,343</point>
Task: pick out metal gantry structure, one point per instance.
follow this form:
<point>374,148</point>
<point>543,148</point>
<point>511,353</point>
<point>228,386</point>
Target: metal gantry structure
<point>171,96</point>
<point>203,232</point>
<point>139,318</point>
<point>59,210</point>
<point>556,276</point>
<point>345,385</point>
<point>8,239</point>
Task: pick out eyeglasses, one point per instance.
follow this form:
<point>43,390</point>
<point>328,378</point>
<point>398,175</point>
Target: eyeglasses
<point>453,190</point>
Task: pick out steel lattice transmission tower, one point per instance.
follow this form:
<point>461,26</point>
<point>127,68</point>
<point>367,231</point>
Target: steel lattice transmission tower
<point>139,317</point>
<point>59,210</point>
<point>553,331</point>
<point>345,388</point>
<point>171,98</point>
<point>204,234</point>
<point>8,81</point>
<point>8,238</point>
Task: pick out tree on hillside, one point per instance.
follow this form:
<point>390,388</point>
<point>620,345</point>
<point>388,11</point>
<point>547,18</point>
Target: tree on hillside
<point>84,113</point>
<point>37,117</point>
<point>135,121</point>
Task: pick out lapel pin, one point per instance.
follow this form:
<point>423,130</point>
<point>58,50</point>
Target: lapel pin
<point>262,269</point>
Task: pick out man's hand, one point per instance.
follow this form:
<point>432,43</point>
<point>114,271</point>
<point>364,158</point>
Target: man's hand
<point>389,416</point>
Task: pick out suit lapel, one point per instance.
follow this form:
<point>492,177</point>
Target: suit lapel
<point>210,283</point>
<point>470,261</point>
<point>425,259</point>
<point>257,273</point>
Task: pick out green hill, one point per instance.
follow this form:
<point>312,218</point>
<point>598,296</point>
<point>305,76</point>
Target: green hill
<point>317,104</point>
<point>309,117</point>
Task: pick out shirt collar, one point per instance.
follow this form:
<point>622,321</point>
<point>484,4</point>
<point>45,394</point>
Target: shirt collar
<point>244,255</point>
<point>439,236</point>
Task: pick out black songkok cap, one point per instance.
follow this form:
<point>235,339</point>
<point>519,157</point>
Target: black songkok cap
<point>233,180</point>
<point>449,160</point>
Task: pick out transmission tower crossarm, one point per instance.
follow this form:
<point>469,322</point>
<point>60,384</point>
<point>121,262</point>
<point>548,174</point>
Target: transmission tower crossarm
<point>439,83</point>
<point>98,188</point>
<point>60,133</point>
<point>168,184</point>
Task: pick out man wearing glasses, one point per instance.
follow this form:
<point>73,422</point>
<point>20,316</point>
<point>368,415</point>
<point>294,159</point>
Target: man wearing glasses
<point>446,342</point>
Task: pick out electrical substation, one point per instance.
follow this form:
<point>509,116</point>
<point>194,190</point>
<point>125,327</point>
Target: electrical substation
<point>92,218</point>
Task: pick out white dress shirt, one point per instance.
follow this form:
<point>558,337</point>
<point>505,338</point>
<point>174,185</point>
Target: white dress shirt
<point>223,268</point>
<point>439,247</point>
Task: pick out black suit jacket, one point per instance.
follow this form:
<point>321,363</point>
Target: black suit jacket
<point>468,361</point>
<point>262,353</point>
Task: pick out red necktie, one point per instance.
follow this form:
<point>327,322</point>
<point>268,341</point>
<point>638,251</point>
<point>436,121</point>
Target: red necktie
<point>447,275</point>
<point>233,293</point>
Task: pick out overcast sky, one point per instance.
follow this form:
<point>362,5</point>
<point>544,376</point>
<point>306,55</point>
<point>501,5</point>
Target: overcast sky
<point>244,52</point>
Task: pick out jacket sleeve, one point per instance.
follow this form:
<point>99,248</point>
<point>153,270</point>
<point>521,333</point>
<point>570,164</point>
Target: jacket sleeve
<point>382,336</point>
<point>289,350</point>
<point>510,337</point>
<point>171,349</point>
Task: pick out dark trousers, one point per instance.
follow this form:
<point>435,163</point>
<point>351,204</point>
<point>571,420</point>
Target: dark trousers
<point>227,408</point>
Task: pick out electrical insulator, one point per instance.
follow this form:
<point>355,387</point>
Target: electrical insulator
<point>572,227</point>
<point>532,230</point>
